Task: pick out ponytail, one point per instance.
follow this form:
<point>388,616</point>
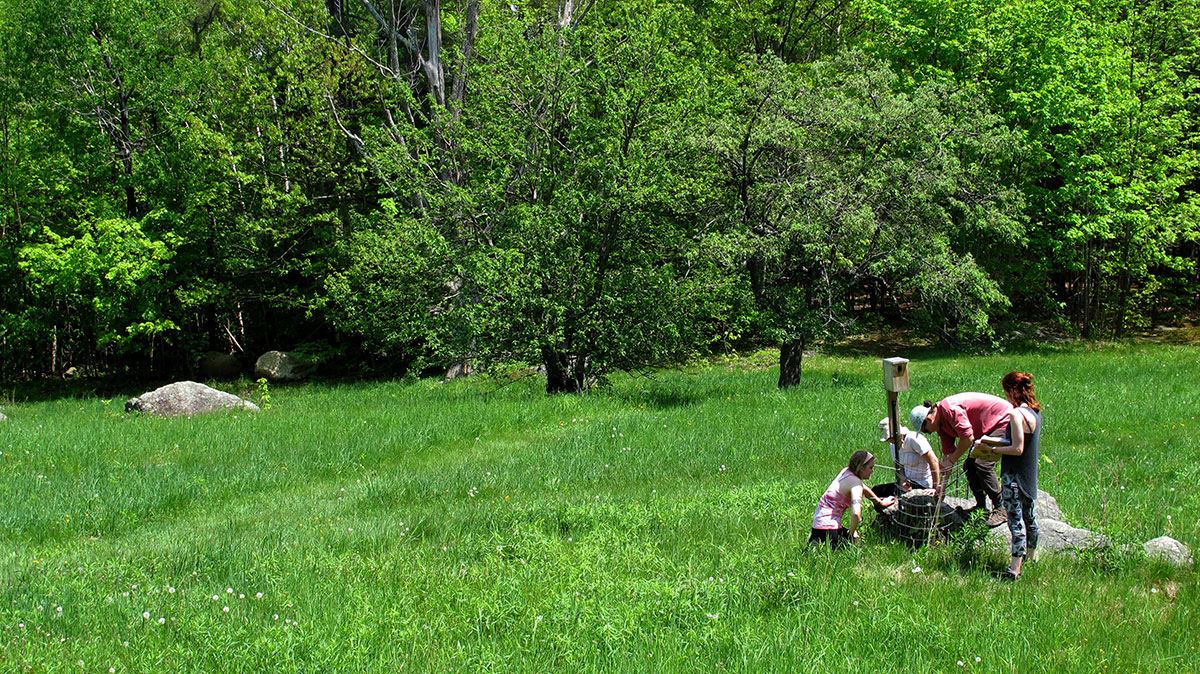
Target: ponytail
<point>1020,386</point>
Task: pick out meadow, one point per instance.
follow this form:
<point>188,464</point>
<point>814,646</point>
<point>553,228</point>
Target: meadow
<point>658,524</point>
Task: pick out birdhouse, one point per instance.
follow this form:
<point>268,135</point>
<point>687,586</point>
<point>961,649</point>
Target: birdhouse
<point>895,374</point>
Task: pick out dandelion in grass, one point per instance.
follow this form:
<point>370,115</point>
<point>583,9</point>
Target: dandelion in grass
<point>258,596</point>
<point>171,590</point>
<point>146,615</point>
<point>916,569</point>
<point>225,609</point>
<point>978,659</point>
<point>216,598</point>
<point>162,621</point>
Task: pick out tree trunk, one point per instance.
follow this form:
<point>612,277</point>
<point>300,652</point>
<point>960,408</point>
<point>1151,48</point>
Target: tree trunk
<point>566,373</point>
<point>120,130</point>
<point>790,355</point>
<point>557,378</point>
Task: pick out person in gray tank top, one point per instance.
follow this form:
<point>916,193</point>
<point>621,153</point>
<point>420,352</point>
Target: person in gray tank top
<point>1019,468</point>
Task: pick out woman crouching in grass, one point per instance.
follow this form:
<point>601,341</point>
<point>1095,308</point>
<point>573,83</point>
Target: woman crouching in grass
<point>1019,470</point>
<point>846,491</point>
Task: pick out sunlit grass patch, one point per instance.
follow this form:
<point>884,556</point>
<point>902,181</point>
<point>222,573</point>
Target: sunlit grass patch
<point>657,524</point>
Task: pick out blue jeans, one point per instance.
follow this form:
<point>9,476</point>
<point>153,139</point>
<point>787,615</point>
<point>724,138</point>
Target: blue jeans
<point>1022,521</point>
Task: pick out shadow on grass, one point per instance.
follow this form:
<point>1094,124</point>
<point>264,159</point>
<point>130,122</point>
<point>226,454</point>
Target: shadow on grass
<point>50,390</point>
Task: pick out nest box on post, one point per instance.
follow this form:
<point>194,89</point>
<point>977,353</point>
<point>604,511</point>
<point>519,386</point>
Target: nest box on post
<point>895,374</point>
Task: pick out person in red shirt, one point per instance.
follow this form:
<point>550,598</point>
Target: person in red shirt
<point>960,421</point>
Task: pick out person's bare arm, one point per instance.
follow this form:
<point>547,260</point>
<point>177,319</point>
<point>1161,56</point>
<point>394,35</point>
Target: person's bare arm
<point>1016,425</point>
<point>856,496</point>
<point>881,502</point>
<point>961,446</point>
<point>934,468</point>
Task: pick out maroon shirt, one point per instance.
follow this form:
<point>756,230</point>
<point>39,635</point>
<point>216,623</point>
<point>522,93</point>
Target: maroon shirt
<point>971,415</point>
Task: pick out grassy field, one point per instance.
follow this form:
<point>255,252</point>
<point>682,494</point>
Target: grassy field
<point>659,524</point>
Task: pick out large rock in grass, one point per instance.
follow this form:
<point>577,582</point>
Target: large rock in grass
<point>1046,506</point>
<point>283,366</point>
<point>186,398</point>
<point>916,515</point>
<point>217,365</point>
<point>1169,550</point>
<point>1055,536</point>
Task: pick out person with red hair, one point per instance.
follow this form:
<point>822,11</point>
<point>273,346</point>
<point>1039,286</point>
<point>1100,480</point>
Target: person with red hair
<point>1019,467</point>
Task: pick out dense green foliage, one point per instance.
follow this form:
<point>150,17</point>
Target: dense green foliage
<point>655,526</point>
<point>588,186</point>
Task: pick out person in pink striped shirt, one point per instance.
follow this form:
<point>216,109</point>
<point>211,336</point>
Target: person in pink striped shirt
<point>846,492</point>
<point>960,421</point>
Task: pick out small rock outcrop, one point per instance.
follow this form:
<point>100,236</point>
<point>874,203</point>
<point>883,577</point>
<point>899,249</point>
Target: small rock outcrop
<point>916,513</point>
<point>1046,506</point>
<point>1169,550</point>
<point>217,365</point>
<point>283,366</point>
<point>186,398</point>
<point>1056,536</point>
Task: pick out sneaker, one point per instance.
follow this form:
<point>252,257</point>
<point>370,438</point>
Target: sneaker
<point>1008,576</point>
<point>997,517</point>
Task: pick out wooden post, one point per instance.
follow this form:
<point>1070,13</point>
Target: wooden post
<point>895,379</point>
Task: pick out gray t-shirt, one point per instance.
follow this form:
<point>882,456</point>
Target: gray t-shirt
<point>913,449</point>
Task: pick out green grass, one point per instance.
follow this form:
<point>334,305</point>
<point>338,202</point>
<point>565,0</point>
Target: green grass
<point>659,524</point>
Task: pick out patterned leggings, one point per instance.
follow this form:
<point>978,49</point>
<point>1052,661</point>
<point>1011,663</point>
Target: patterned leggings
<point>1022,521</point>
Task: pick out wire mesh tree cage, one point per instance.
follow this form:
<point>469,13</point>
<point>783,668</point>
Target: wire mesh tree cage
<point>920,516</point>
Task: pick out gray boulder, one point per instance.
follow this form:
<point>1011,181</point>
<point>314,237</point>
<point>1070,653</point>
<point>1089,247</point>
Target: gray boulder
<point>283,366</point>
<point>186,398</point>
<point>1046,506</point>
<point>1056,536</point>
<point>1169,550</point>
<point>217,365</point>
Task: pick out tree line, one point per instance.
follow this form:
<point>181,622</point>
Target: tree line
<point>586,186</point>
